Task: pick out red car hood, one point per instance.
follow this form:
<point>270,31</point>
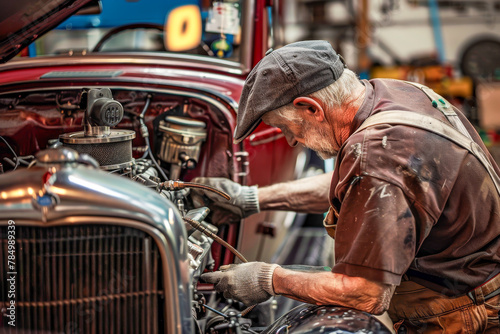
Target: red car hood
<point>23,21</point>
<point>167,72</point>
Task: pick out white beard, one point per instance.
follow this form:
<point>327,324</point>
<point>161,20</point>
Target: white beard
<point>320,140</point>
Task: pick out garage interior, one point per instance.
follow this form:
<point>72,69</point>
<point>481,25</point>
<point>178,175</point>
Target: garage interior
<point>178,113</point>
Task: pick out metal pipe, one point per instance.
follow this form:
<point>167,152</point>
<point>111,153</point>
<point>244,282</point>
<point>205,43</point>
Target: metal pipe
<point>216,238</point>
<point>178,185</point>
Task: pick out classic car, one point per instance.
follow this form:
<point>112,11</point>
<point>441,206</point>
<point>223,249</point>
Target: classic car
<point>105,118</point>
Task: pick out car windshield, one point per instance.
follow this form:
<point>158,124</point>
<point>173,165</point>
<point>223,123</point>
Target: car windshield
<point>198,27</point>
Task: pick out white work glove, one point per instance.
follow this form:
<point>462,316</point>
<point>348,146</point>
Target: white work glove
<point>244,200</point>
<point>251,283</point>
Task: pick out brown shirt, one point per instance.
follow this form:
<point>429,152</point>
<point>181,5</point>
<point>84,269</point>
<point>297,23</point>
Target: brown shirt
<point>412,202</point>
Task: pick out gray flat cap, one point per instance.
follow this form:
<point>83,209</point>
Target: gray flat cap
<point>284,74</point>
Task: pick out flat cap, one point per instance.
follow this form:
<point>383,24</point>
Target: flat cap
<point>284,74</point>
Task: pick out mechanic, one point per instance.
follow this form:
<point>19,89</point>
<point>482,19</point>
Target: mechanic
<point>414,214</point>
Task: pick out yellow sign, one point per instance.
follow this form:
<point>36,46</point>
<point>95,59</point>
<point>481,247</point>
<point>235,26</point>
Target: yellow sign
<point>183,28</point>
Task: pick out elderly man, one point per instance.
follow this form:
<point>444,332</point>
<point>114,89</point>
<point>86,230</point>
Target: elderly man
<point>414,202</point>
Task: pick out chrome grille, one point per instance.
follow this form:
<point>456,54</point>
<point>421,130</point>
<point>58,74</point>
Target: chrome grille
<point>84,279</point>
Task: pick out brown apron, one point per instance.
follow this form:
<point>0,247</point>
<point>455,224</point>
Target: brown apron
<point>417,309</point>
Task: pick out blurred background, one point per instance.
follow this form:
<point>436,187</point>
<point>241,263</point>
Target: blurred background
<point>450,46</point>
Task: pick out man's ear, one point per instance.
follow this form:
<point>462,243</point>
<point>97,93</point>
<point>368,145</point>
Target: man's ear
<point>311,107</point>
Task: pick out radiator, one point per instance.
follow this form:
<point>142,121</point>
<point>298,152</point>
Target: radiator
<point>83,279</point>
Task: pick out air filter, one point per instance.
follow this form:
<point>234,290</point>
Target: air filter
<point>113,151</point>
<point>111,148</point>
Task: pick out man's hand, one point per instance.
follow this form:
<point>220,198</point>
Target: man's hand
<point>251,283</point>
<point>244,200</point>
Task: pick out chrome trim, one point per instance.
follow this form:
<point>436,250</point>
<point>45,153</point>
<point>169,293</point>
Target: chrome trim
<point>307,318</point>
<point>247,37</point>
<point>163,72</point>
<point>80,138</point>
<point>170,60</point>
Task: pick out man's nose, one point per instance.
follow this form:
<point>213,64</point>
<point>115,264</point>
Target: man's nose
<point>291,140</point>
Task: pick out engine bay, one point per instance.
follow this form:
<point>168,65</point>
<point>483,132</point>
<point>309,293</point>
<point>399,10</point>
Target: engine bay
<point>159,140</point>
<point>35,120</point>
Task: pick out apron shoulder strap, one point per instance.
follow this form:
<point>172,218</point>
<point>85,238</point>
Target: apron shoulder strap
<point>431,124</point>
<point>445,107</point>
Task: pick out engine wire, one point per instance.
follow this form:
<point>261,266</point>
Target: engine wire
<point>214,236</point>
<point>177,185</point>
<point>141,121</point>
<point>13,152</point>
<point>215,311</point>
<point>145,135</point>
<point>209,188</point>
<point>247,310</point>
